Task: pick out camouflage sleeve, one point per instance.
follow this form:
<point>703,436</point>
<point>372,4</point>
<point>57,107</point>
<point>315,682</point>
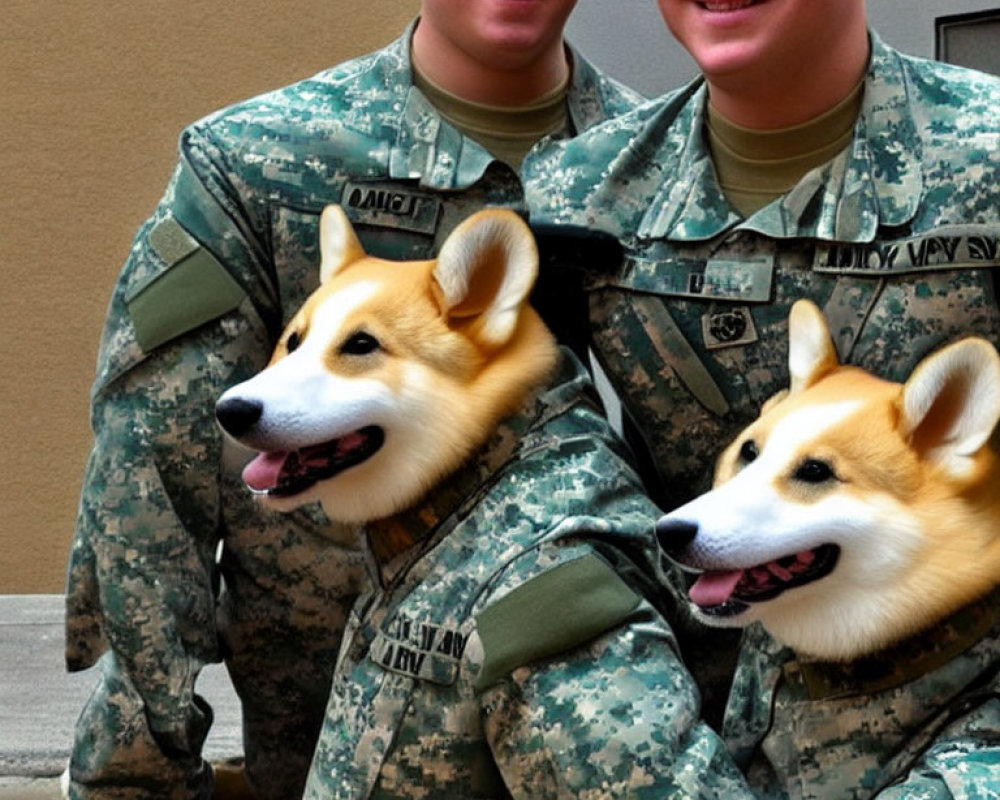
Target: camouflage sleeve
<point>963,762</point>
<point>616,718</point>
<point>179,329</point>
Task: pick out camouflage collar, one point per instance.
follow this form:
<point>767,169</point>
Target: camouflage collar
<point>885,164</point>
<point>878,181</point>
<point>903,662</point>
<point>430,150</point>
<point>522,432</point>
<point>585,97</point>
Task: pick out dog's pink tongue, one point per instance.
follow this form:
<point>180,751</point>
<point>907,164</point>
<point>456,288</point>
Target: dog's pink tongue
<point>262,473</point>
<point>715,588</point>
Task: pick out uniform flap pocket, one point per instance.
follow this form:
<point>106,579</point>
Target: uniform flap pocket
<point>193,288</point>
<point>554,612</point>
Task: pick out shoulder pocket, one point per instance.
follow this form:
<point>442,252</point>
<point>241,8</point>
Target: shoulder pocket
<point>193,288</point>
<point>554,612</point>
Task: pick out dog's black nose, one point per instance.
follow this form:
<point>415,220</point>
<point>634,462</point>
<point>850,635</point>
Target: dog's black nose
<point>237,415</point>
<point>675,534</point>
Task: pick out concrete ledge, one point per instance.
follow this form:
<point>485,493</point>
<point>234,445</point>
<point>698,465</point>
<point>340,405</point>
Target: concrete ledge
<point>30,789</point>
<point>40,701</point>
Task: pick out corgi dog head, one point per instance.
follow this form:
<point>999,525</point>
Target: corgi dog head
<point>393,373</point>
<point>854,512</point>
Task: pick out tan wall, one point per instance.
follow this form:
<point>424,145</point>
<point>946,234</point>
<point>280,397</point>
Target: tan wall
<point>93,95</point>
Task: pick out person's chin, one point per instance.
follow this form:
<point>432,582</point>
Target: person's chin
<point>733,60</point>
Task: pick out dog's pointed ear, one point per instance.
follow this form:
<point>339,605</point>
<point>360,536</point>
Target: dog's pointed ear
<point>338,244</point>
<point>811,353</point>
<point>951,403</point>
<point>484,274</point>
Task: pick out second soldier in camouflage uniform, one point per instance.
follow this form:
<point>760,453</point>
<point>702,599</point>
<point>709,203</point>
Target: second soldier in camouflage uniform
<point>897,238</point>
<point>214,274</point>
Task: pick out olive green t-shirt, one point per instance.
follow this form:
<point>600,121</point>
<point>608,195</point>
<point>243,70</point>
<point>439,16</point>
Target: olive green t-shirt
<point>755,166</point>
<point>507,132</point>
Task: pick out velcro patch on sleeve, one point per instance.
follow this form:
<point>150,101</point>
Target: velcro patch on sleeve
<point>558,610</point>
<point>193,289</point>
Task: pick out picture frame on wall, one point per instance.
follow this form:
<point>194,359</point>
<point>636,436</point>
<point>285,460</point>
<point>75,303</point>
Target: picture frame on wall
<point>969,40</point>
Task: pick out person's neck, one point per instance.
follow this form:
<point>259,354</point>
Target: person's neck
<point>465,77</point>
<point>784,101</point>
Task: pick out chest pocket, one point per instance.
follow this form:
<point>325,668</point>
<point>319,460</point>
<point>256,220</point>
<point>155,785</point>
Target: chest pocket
<point>694,340</point>
<point>693,299</point>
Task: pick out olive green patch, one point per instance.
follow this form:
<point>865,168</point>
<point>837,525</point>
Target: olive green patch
<point>194,289</point>
<point>171,242</point>
<point>558,610</point>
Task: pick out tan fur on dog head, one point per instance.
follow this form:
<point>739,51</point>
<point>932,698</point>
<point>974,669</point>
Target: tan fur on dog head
<point>855,511</point>
<point>393,372</point>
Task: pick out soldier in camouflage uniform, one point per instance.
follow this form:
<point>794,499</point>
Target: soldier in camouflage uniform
<point>212,277</point>
<point>895,236</point>
<point>510,651</point>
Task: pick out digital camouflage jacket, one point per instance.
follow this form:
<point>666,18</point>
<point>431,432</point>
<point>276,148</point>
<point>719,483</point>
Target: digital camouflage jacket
<point>511,653</point>
<point>918,720</point>
<point>224,261</point>
<point>896,239</point>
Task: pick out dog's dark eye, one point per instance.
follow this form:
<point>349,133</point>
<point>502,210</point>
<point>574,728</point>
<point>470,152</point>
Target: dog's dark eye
<point>293,342</point>
<point>813,471</point>
<point>749,451</point>
<point>360,344</point>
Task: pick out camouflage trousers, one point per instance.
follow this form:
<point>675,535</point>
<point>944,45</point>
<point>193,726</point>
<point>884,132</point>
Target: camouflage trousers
<point>277,623</point>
